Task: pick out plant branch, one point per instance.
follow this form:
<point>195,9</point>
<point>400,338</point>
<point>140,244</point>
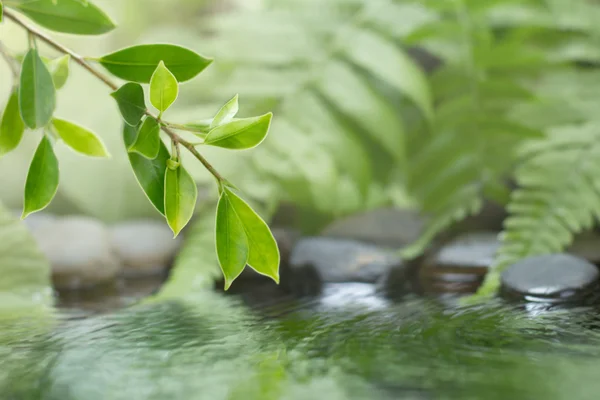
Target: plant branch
<point>32,30</point>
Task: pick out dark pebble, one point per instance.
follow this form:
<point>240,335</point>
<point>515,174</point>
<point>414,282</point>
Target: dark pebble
<point>552,277</point>
<point>460,265</point>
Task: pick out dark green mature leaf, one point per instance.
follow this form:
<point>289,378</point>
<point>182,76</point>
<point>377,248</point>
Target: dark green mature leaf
<point>240,134</point>
<point>37,96</point>
<point>11,126</point>
<point>164,88</point>
<point>67,16</point>
<point>147,142</point>
<point>80,139</point>
<point>130,99</point>
<point>150,174</point>
<point>138,63</point>
<point>226,113</point>
<point>42,179</point>
<point>181,194</point>
<point>264,253</point>
<point>59,68</point>
<point>232,243</point>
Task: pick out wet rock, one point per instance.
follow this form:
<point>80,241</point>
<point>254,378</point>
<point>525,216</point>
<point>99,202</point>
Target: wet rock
<point>551,278</point>
<point>587,246</point>
<point>460,265</point>
<point>79,252</point>
<point>384,227</point>
<point>145,247</point>
<point>338,260</point>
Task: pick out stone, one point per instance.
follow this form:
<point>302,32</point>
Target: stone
<point>36,220</point>
<point>79,251</point>
<point>550,278</point>
<point>340,260</point>
<point>386,227</point>
<point>145,247</point>
<point>460,265</point>
<point>587,246</point>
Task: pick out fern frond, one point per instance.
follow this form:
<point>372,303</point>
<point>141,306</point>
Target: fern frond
<point>475,139</point>
<point>559,196</point>
<point>338,86</point>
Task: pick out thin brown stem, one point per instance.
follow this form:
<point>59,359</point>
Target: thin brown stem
<point>108,82</point>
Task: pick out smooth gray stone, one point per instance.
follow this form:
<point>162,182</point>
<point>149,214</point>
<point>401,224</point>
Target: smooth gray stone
<point>552,276</point>
<point>339,260</point>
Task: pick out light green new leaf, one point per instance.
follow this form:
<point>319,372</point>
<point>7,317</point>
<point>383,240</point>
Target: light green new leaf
<point>163,88</point>
<point>240,134</point>
<point>59,68</point>
<point>80,139</point>
<point>42,179</point>
<point>232,244</point>
<point>226,113</point>
<point>1,11</point>
<point>37,96</point>
<point>264,253</point>
<point>181,194</point>
<point>130,99</point>
<point>67,16</point>
<point>11,126</point>
<point>147,142</point>
<point>138,63</point>
<point>150,174</point>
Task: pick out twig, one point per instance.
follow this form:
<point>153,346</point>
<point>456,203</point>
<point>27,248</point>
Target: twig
<point>108,82</point>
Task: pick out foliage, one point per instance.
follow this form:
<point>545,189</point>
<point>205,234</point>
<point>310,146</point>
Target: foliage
<point>25,282</point>
<point>160,172</point>
<point>338,88</point>
<point>511,77</point>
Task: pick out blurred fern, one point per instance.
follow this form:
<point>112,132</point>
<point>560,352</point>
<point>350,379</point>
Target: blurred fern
<point>514,99</point>
<point>338,88</point>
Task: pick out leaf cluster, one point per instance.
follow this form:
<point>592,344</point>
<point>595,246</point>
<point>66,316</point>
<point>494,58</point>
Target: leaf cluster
<point>158,169</point>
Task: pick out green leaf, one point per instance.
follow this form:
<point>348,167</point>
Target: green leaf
<point>264,253</point>
<point>37,96</point>
<point>147,142</point>
<point>232,243</point>
<point>226,113</point>
<point>163,88</point>
<point>67,16</point>
<point>130,99</point>
<point>150,174</point>
<point>240,134</point>
<point>42,179</point>
<point>138,63</point>
<point>1,11</point>
<point>181,194</point>
<point>59,68</point>
<point>11,126</point>
<point>80,139</point>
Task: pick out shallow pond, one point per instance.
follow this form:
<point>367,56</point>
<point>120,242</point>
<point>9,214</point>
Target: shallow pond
<point>348,343</point>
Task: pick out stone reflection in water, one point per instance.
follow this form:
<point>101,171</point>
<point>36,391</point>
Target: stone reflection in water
<point>331,346</point>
